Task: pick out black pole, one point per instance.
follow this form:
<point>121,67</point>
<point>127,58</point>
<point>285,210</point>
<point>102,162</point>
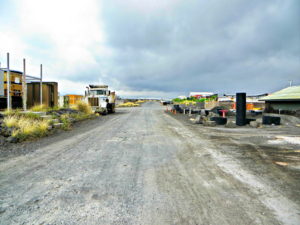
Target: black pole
<point>240,109</point>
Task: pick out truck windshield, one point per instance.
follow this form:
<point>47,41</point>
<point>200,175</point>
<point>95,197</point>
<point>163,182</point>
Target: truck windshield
<point>98,92</point>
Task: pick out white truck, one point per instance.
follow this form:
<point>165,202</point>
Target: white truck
<point>101,99</point>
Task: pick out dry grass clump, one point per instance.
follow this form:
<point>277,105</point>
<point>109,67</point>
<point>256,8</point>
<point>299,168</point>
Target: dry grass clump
<point>26,127</point>
<point>140,101</point>
<point>67,119</point>
<point>39,108</point>
<point>12,112</point>
<point>128,104</point>
<point>83,107</point>
<point>83,116</point>
<point>29,128</point>
<point>10,121</point>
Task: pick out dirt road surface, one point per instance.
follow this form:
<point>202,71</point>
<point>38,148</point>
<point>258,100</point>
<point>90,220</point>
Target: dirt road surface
<point>143,166</point>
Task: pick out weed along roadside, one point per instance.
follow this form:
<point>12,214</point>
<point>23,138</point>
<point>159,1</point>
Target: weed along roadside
<point>131,104</point>
<point>40,121</point>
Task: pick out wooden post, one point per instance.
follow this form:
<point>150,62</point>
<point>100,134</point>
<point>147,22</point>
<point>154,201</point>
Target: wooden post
<point>8,83</point>
<point>41,86</point>
<point>24,86</point>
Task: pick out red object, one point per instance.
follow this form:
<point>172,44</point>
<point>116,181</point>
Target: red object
<point>223,111</point>
<point>197,96</point>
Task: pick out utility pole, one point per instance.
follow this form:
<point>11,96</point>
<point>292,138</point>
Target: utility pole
<point>24,86</point>
<point>8,83</point>
<point>41,86</point>
<point>291,83</point>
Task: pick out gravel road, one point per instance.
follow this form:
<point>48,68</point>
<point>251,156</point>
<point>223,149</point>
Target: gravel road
<point>141,166</point>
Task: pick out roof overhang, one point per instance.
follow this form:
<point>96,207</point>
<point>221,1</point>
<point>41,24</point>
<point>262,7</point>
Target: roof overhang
<point>281,100</point>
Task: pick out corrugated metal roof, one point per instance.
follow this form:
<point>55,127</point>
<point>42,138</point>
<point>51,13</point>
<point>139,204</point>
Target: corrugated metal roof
<point>290,93</point>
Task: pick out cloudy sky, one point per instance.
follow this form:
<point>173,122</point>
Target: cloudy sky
<point>153,47</point>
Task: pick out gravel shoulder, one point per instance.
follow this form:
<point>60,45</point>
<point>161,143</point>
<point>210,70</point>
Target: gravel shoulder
<point>8,150</point>
<point>143,166</point>
<point>267,160</point>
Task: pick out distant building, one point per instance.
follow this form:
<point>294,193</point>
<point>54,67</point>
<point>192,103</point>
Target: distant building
<point>226,98</point>
<point>201,94</point>
<point>72,99</point>
<point>253,102</point>
<point>286,100</point>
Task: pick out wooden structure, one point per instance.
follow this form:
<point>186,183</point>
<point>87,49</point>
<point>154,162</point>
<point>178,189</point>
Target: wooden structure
<point>15,85</point>
<point>15,89</point>
<point>49,97</point>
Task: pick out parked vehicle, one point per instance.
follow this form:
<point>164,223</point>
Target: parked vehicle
<point>166,102</point>
<point>101,99</point>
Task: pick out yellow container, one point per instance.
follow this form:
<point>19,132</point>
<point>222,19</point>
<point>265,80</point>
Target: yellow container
<point>15,83</point>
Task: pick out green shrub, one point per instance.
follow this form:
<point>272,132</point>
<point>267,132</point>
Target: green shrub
<point>65,119</point>
<point>31,115</point>
<point>177,100</point>
<point>15,112</point>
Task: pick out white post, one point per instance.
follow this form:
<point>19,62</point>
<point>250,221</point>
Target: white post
<point>24,86</point>
<point>41,86</point>
<point>8,83</point>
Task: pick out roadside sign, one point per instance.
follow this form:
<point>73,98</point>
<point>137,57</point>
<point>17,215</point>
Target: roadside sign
<point>1,83</point>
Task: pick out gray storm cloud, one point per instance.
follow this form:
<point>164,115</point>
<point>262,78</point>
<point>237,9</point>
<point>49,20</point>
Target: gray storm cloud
<point>221,46</point>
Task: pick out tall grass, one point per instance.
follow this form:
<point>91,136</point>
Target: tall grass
<point>128,104</point>
<point>39,108</point>
<point>26,127</point>
<point>83,107</point>
<point>66,124</point>
<point>12,112</point>
<point>31,115</point>
<point>10,121</point>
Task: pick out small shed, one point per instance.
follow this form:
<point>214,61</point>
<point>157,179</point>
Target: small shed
<point>50,94</point>
<point>286,101</point>
<point>72,99</point>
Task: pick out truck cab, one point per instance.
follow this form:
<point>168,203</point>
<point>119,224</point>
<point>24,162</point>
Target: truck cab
<point>101,99</point>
